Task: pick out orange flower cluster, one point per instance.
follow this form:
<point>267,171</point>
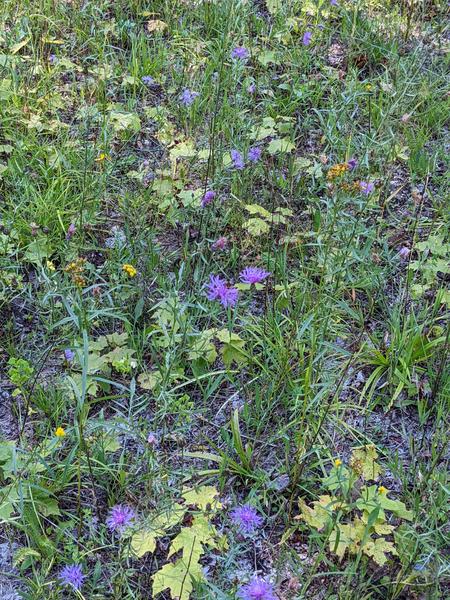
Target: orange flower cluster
<point>76,269</point>
<point>337,171</point>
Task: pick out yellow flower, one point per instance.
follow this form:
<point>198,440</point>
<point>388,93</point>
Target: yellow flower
<point>368,87</point>
<point>337,171</point>
<point>382,490</point>
<point>101,157</point>
<point>337,462</point>
<point>60,432</point>
<point>51,265</point>
<point>129,270</point>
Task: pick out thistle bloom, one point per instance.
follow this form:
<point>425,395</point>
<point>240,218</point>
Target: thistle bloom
<point>352,163</point>
<point>220,244</point>
<point>120,517</point>
<point>208,198</point>
<point>238,160</point>
<point>229,297</point>
<point>257,589</point>
<point>72,575</point>
<point>307,36</point>
<point>253,275</point>
<point>366,187</point>
<point>246,518</point>
<point>188,96</point>
<point>254,154</point>
<point>240,52</point>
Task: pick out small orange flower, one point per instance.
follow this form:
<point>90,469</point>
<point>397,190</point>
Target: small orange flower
<point>129,270</point>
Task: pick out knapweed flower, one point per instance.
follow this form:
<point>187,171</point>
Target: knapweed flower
<point>240,53</point>
<point>217,289</point>
<point>69,355</point>
<point>129,270</point>
<point>366,187</point>
<point>246,519</point>
<point>60,432</point>
<point>72,575</point>
<point>251,88</point>
<point>148,80</point>
<point>307,36</point>
<point>120,517</point>
<point>254,154</point>
<point>208,198</point>
<point>337,462</point>
<point>188,96</point>
<point>352,163</point>
<point>238,160</point>
<point>71,231</point>
<point>257,589</point>
<point>334,3</point>
<point>220,244</point>
<point>253,275</point>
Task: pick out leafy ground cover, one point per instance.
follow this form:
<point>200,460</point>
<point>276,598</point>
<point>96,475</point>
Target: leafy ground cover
<point>223,303</point>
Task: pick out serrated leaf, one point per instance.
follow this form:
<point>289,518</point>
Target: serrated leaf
<point>256,209</point>
<point>233,347</point>
<point>22,553</point>
<point>363,462</point>
<point>143,541</point>
<point>377,549</point>
<point>122,121</point>
<point>320,515</point>
<point>183,150</point>
<point>280,146</point>
<point>191,539</point>
<point>203,347</point>
<point>202,497</point>
<point>177,578</point>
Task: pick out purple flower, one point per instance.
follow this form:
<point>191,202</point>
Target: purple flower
<point>148,80</point>
<point>70,231</point>
<point>352,163</point>
<point>240,52</point>
<point>366,187</point>
<point>120,517</point>
<point>251,88</point>
<point>52,59</point>
<point>238,160</point>
<point>69,355</point>
<point>220,244</point>
<point>404,252</point>
<point>72,575</point>
<point>152,439</point>
<point>254,154</point>
<point>257,589</point>
<point>217,289</point>
<point>253,275</point>
<point>307,38</point>
<point>188,96</point>
<point>208,198</point>
<point>246,518</point>
<point>334,3</point>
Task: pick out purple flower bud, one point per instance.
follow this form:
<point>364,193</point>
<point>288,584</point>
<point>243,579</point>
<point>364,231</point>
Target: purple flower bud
<point>254,154</point>
<point>148,80</point>
<point>367,187</point>
<point>71,231</point>
<point>251,88</point>
<point>404,252</point>
<point>238,160</point>
<point>220,244</point>
<point>352,163</point>
<point>152,440</point>
<point>69,355</point>
<point>208,198</point>
<point>307,38</point>
<point>334,3</point>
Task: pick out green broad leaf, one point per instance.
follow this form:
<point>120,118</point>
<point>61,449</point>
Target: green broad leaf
<point>256,209</point>
<point>143,541</point>
<point>268,57</point>
<point>280,146</point>
<point>117,339</point>
<point>338,479</point>
<point>377,549</point>
<point>203,347</point>
<point>190,198</point>
<point>204,497</point>
<point>347,537</point>
<point>396,506</point>
<point>233,347</point>
<point>7,501</point>
<point>37,251</point>
<point>190,540</point>
<point>256,226</point>
<point>148,381</point>
<point>124,122</point>
<point>320,514</point>
<point>363,462</point>
<point>177,578</point>
<point>183,150</point>
<point>274,6</point>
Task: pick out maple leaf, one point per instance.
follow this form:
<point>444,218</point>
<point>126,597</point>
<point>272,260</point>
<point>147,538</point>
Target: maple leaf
<point>318,516</point>
<point>378,548</point>
<point>204,497</point>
